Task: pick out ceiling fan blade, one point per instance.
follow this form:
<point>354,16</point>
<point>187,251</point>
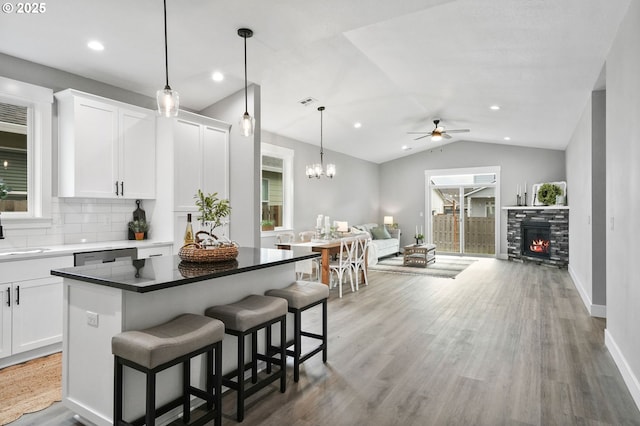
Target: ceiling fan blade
<point>417,133</point>
<point>446,136</point>
<point>422,137</point>
<point>439,129</point>
<point>458,131</point>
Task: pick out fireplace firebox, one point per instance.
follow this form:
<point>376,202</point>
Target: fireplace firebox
<point>536,239</point>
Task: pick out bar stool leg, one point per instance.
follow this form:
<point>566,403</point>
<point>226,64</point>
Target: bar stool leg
<point>150,418</point>
<point>186,377</point>
<point>283,354</point>
<point>254,357</point>
<point>297,326</point>
<point>324,330</point>
<point>240,395</point>
<point>117,391</point>
<point>268,346</point>
<point>218,384</point>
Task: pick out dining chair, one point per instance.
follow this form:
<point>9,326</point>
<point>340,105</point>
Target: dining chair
<point>362,244</point>
<point>306,235</point>
<point>285,237</point>
<point>306,268</point>
<point>343,264</point>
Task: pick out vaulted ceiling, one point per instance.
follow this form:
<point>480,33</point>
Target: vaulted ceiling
<point>392,66</point>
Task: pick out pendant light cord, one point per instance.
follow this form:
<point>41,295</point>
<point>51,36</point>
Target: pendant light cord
<point>166,54</point>
<point>321,151</point>
<point>246,103</point>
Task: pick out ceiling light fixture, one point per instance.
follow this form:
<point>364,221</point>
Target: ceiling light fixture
<point>168,100</point>
<point>246,122</point>
<point>507,138</point>
<point>357,124</point>
<point>494,107</point>
<point>317,170</point>
<point>436,136</point>
<point>217,76</point>
<point>95,45</point>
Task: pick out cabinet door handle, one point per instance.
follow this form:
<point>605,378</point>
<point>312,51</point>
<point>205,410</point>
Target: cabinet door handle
<point>117,189</point>
<point>8,296</point>
<point>17,295</point>
<point>122,188</point>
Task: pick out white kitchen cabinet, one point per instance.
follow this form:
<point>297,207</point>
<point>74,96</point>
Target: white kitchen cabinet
<point>31,309</point>
<point>106,149</point>
<point>201,159</point>
<point>146,252</point>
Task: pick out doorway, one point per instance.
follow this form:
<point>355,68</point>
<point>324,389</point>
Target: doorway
<point>461,210</point>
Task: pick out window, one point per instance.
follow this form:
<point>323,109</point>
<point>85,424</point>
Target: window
<point>13,158</point>
<point>277,187</point>
<point>25,152</point>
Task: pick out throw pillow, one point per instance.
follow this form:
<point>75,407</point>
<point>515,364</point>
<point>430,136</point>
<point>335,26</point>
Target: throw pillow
<point>380,233</point>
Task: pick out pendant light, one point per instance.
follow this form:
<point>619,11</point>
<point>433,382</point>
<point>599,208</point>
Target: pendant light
<point>246,122</point>
<point>168,100</point>
<point>317,170</point>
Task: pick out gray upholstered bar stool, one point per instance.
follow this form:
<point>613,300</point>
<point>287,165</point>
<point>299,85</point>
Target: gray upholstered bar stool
<point>158,348</point>
<point>300,296</point>
<point>247,317</point>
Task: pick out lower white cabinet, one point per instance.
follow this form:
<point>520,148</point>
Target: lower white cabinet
<point>31,315</point>
<point>146,252</point>
<point>30,308</point>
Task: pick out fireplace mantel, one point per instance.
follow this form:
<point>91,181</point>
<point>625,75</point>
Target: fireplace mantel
<point>535,208</point>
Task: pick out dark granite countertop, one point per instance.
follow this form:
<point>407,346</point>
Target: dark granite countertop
<point>162,272</point>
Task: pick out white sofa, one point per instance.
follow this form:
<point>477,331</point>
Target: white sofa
<point>380,247</point>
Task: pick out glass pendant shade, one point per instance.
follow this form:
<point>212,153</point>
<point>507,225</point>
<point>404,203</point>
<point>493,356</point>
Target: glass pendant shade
<point>436,137</point>
<point>168,102</point>
<point>331,170</point>
<point>246,125</point>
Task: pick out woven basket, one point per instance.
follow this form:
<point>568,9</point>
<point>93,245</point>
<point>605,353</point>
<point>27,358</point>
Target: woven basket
<point>190,269</point>
<point>197,254</point>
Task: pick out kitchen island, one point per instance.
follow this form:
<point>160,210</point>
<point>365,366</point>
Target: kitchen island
<point>103,300</point>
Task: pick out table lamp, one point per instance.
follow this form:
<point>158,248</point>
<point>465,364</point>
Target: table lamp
<point>342,226</point>
<point>388,221</point>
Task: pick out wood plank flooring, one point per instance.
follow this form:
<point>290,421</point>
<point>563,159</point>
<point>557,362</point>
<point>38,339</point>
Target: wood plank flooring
<point>502,344</point>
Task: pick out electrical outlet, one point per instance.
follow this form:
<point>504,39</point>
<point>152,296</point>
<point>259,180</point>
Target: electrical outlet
<point>92,319</point>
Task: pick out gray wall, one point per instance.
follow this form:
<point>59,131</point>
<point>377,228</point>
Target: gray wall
<point>352,195</point>
<point>623,199</point>
<point>244,167</point>
<point>586,179</point>
<point>402,181</point>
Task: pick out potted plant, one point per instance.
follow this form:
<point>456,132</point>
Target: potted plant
<point>419,238</point>
<point>212,210</point>
<point>267,225</point>
<point>139,227</point>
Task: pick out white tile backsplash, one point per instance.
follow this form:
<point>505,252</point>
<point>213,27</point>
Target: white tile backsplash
<point>77,220</point>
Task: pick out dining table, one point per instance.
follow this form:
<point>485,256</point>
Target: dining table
<point>327,249</point>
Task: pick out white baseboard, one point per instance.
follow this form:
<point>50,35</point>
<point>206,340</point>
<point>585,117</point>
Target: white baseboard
<point>598,311</point>
<point>502,256</point>
<point>627,374</point>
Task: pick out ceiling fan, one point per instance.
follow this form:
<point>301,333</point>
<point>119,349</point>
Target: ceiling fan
<point>437,133</point>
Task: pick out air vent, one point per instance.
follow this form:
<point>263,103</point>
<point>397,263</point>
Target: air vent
<point>308,101</point>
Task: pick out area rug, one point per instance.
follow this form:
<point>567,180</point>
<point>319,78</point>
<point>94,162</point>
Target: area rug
<point>444,266</point>
<point>29,387</point>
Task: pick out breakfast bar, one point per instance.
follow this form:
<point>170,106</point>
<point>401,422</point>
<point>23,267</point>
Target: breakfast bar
<point>103,300</point>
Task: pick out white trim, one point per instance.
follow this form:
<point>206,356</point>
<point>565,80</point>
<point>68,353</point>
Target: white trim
<point>598,311</point>
<point>286,155</point>
<point>39,144</point>
<point>627,373</point>
<point>462,171</point>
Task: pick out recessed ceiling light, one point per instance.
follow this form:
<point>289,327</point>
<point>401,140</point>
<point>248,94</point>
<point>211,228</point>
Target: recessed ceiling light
<point>507,138</point>
<point>217,76</point>
<point>357,124</point>
<point>95,45</point>
<point>494,107</point>
<point>406,148</point>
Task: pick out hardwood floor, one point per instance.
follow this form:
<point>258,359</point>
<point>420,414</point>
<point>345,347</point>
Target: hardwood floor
<point>502,344</point>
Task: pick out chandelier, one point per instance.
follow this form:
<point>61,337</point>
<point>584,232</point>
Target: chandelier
<point>316,170</point>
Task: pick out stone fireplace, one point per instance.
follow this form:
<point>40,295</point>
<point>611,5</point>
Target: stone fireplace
<point>538,234</point>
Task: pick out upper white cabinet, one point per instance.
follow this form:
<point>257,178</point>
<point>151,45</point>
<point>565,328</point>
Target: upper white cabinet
<point>106,149</point>
<point>201,159</point>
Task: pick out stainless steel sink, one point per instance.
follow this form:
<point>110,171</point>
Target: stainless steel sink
<point>27,250</point>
